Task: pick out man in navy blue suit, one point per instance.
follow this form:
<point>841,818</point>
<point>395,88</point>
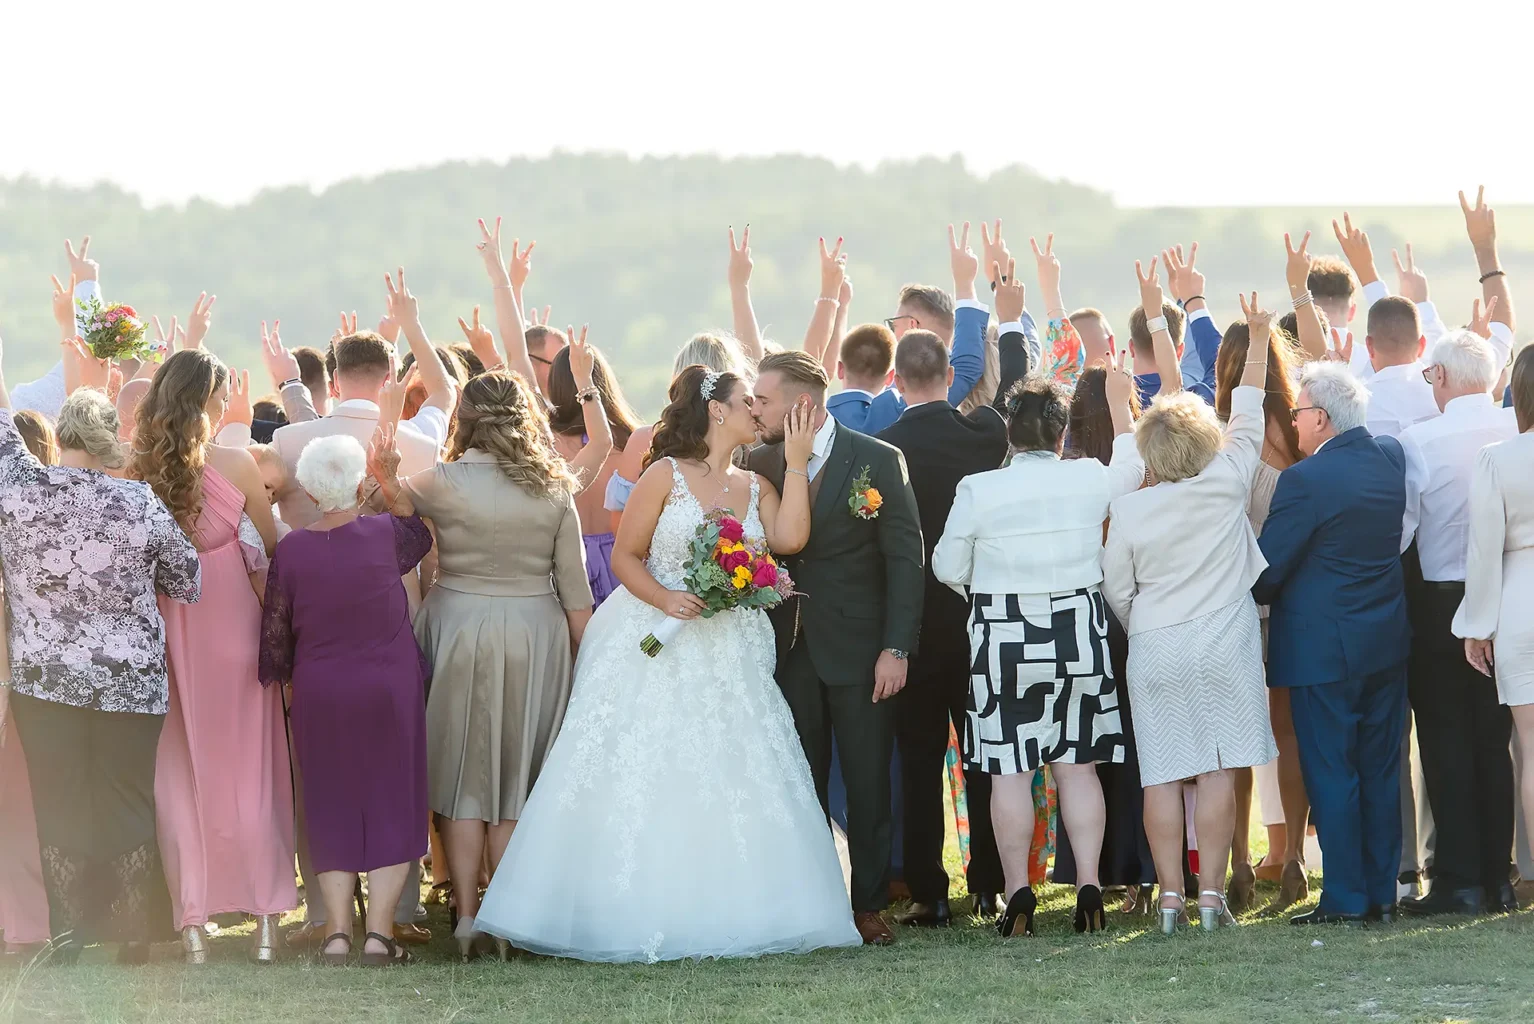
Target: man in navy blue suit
<point>1339,637</point>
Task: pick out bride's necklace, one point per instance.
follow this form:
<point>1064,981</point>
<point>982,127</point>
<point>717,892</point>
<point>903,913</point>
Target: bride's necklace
<point>708,473</point>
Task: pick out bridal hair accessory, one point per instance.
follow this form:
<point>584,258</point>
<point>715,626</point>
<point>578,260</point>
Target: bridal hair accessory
<point>710,381</point>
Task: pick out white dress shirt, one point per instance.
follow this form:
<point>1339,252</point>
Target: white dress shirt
<point>1177,551</point>
<point>1440,455</point>
<point>822,450</point>
<point>1036,525</point>
<point>1399,398</point>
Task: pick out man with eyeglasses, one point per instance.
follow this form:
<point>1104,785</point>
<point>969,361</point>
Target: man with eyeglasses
<point>543,344</point>
<point>1339,636</point>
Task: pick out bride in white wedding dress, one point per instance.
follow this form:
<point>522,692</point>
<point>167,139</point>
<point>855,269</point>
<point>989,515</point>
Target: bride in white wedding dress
<point>675,816</point>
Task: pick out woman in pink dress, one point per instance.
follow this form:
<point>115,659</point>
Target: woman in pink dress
<point>223,787</point>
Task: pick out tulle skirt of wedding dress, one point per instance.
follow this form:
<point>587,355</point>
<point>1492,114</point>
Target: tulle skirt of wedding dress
<point>675,816</point>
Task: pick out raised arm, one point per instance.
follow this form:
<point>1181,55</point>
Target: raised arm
<point>1063,356</point>
<point>1161,339</point>
<point>482,342</point>
<point>838,328</point>
<point>441,391</point>
<point>1481,226</point>
<point>1012,350</point>
<point>1297,273</point>
<point>970,316</point>
<point>587,466</point>
<point>743,316</point>
<point>508,307</point>
<point>1201,349</point>
<point>787,520</point>
<point>833,270</point>
<point>1411,283</point>
<point>282,367</point>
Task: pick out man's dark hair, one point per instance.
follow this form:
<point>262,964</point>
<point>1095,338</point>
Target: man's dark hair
<point>921,359</point>
<point>1394,324</point>
<point>313,369</point>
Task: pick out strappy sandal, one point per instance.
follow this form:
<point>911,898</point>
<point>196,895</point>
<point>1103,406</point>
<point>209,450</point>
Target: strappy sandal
<point>395,955</point>
<point>335,959</point>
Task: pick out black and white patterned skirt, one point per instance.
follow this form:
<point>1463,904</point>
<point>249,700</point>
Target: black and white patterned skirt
<point>1041,684</point>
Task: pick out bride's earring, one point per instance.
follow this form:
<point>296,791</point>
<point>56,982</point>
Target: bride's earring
<point>720,421</point>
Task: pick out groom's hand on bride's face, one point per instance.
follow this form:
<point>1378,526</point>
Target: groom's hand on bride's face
<point>889,676</point>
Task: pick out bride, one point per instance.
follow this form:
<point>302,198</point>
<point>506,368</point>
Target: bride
<point>675,816</point>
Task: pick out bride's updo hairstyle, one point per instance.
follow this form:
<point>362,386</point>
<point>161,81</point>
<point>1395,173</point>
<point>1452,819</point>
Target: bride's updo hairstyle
<point>682,432</point>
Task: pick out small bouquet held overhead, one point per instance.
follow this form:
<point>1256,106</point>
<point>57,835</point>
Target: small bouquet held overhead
<point>725,572</point>
<point>112,331</point>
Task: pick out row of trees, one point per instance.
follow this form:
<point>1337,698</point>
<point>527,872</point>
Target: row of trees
<point>637,248</point>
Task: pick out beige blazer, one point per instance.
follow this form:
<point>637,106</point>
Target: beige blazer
<point>417,451</point>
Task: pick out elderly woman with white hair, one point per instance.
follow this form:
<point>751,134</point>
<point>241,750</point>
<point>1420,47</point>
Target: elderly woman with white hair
<point>337,630</point>
<point>1178,566</point>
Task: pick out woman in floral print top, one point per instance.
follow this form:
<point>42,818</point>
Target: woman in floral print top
<point>84,553</point>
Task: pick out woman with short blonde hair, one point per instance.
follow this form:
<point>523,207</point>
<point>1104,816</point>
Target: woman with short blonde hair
<point>1178,568</point>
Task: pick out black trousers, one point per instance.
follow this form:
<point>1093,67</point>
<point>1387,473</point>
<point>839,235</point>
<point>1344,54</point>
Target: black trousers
<point>92,776</point>
<point>935,693</point>
<point>865,739</point>
<point>1463,734</point>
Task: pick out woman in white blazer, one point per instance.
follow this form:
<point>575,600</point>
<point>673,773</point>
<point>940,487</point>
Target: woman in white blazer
<point>1024,545</point>
<point>1178,568</point>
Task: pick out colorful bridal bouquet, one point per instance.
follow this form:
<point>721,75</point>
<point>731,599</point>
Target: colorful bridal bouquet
<point>112,332</point>
<point>725,571</point>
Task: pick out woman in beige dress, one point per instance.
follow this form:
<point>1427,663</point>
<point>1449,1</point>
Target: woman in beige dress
<point>500,622</point>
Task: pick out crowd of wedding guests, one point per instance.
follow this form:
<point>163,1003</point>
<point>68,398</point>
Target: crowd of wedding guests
<point>336,625</point>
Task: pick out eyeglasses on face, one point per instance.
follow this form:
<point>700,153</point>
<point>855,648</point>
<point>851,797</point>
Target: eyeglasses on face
<point>1427,373</point>
<point>1294,414</point>
<point>889,321</point>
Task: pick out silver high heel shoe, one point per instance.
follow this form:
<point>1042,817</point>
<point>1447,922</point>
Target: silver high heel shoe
<point>1212,919</point>
<point>1170,917</point>
<point>194,943</point>
<point>264,949</point>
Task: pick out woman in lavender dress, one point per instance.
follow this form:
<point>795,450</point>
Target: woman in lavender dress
<point>337,629</point>
<point>582,387</point>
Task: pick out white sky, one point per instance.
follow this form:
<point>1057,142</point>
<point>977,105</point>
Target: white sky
<point>1186,102</point>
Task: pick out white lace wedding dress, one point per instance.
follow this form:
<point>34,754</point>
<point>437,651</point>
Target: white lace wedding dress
<point>675,816</point>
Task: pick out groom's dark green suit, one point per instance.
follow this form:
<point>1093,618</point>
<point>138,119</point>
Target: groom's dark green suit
<point>862,590</point>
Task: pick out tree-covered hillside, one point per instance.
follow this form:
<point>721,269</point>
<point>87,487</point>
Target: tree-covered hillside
<point>637,248</point>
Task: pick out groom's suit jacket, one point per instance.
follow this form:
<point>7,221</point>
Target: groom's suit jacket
<point>861,579</point>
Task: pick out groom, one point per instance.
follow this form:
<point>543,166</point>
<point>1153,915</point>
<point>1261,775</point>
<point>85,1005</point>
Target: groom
<point>843,645</point>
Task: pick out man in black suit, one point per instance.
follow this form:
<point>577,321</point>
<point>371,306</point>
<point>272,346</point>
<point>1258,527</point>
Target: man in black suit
<point>844,643</point>
<point>941,447</point>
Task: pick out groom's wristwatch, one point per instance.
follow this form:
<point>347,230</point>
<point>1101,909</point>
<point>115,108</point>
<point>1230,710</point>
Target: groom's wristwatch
<point>896,654</point>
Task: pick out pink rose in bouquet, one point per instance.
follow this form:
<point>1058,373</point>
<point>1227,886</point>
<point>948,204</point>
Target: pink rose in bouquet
<point>766,575</point>
<point>731,529</point>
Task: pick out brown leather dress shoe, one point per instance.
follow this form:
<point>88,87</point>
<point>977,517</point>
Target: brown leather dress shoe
<point>870,924</point>
<point>411,935</point>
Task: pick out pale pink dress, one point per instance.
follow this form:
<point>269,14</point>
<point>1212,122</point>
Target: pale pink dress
<point>223,784</point>
<point>23,901</point>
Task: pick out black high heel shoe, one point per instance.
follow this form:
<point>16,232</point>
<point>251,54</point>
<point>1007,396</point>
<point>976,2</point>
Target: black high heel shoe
<point>1022,905</point>
<point>1089,910</point>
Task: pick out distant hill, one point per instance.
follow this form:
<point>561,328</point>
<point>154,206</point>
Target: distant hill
<point>637,247</point>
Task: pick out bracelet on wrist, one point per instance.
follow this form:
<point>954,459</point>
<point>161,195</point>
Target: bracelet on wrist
<point>1491,274</point>
<point>1305,298</point>
<point>1155,324</point>
<point>1193,298</point>
<point>289,383</point>
<point>801,472</point>
<point>590,394</point>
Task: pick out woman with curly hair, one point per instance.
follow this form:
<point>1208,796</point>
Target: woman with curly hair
<point>501,622</point>
<point>223,789</point>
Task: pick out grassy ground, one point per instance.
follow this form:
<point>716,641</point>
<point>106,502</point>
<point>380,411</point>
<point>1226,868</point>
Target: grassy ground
<point>1266,971</point>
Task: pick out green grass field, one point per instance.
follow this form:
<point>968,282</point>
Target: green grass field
<point>1265,971</point>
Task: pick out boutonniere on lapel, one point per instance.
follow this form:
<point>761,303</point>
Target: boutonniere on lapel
<point>865,498</point>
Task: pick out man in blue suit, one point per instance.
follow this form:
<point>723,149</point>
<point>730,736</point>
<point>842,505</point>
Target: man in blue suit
<point>1339,637</point>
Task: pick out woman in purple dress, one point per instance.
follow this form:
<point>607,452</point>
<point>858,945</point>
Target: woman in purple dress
<point>337,630</point>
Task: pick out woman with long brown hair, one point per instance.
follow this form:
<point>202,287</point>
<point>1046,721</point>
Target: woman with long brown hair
<point>500,624</point>
<point>223,788</point>
<point>1280,450</point>
<point>581,385</point>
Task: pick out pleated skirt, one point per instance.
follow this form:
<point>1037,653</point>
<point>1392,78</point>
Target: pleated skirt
<point>500,683</point>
